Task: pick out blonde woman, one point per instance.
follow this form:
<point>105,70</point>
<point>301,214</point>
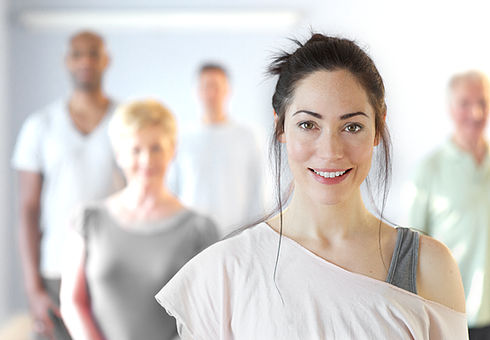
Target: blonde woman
<point>121,249</point>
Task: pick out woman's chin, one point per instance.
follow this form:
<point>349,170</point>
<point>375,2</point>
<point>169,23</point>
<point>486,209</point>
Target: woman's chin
<point>147,180</point>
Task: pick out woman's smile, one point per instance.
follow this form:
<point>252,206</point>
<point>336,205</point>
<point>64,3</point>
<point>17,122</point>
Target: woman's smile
<point>334,176</point>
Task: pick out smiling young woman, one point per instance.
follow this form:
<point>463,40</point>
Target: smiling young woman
<point>324,267</point>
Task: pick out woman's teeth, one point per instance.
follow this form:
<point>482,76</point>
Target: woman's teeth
<point>327,174</point>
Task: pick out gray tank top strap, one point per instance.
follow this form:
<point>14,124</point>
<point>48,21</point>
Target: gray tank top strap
<point>403,267</point>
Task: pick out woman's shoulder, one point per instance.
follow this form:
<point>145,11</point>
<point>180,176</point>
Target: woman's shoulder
<point>196,219</point>
<point>85,214</point>
<point>438,276</point>
<point>198,228</point>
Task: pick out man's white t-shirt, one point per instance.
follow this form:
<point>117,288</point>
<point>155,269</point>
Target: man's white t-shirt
<point>220,171</point>
<point>76,168</point>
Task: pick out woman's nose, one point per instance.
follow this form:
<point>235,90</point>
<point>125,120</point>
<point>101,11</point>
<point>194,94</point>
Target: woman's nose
<point>144,157</point>
<point>330,146</point>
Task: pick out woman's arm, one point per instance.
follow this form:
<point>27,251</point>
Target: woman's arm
<point>438,276</point>
<point>74,299</point>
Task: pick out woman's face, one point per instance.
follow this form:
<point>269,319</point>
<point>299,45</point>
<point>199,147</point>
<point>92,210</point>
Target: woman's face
<point>144,155</point>
<point>329,131</point>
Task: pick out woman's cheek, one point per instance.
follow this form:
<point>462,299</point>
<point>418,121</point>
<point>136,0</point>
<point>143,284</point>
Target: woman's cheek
<point>361,147</point>
<point>298,150</point>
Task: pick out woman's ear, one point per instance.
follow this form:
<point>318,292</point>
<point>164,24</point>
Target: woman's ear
<point>378,134</point>
<point>280,138</point>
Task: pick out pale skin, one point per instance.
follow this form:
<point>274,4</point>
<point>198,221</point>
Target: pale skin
<point>144,156</point>
<point>329,127</point>
<point>469,108</point>
<point>213,93</point>
<point>86,61</point>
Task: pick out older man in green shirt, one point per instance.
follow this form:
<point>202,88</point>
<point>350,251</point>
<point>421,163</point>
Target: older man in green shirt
<point>451,199</point>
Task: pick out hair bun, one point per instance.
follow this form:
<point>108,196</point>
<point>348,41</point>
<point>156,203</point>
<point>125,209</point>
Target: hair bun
<point>317,37</point>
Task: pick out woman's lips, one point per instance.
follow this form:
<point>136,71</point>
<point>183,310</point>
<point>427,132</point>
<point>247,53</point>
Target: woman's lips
<point>330,176</point>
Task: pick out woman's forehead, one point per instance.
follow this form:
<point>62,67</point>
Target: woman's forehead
<point>330,92</point>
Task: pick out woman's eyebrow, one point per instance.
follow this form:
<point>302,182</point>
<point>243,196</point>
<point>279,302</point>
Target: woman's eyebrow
<point>353,114</point>
<point>343,117</point>
<point>314,114</point>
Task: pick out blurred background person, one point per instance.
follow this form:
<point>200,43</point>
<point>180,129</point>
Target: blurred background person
<point>121,249</point>
<point>62,157</point>
<point>451,199</point>
<point>219,168</point>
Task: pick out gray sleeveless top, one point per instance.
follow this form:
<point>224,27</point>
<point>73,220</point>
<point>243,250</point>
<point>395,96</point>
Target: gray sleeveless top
<point>403,267</point>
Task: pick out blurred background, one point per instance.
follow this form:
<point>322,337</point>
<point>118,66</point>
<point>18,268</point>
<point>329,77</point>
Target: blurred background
<point>156,47</point>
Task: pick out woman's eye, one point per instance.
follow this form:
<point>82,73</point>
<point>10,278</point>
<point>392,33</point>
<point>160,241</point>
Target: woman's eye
<point>306,125</point>
<point>353,128</point>
<point>156,148</point>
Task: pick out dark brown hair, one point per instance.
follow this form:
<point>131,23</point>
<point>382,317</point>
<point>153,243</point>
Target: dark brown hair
<point>325,53</point>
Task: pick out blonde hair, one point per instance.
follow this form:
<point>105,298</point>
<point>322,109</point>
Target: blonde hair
<point>136,115</point>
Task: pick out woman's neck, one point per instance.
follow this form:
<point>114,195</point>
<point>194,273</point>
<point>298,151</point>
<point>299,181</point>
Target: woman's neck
<point>304,219</point>
<point>137,202</point>
<point>137,196</point>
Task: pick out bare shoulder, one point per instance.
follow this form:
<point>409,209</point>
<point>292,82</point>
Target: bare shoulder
<point>438,276</point>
